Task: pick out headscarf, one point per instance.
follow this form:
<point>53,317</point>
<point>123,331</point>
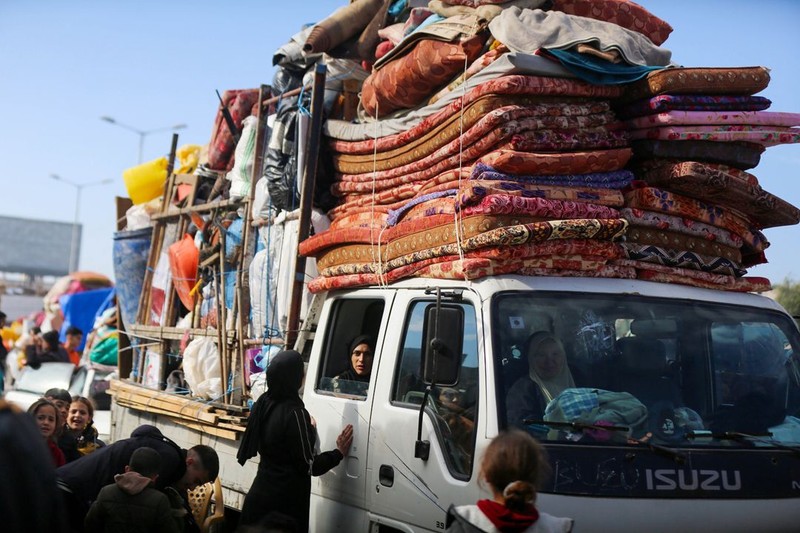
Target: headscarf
<point>284,377</point>
<point>350,373</point>
<point>554,386</point>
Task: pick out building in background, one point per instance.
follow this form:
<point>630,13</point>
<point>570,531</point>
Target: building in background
<point>35,252</point>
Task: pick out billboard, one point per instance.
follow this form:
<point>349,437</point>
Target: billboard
<point>36,247</point>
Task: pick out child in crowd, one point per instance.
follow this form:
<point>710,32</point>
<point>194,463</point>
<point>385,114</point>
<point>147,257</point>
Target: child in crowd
<point>62,399</point>
<point>512,467</point>
<point>131,503</point>
<point>45,415</point>
<point>79,424</point>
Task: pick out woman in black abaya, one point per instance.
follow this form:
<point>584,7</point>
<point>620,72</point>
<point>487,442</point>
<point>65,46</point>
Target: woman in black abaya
<point>281,432</point>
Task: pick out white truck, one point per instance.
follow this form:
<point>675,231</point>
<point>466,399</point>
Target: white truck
<point>719,373</point>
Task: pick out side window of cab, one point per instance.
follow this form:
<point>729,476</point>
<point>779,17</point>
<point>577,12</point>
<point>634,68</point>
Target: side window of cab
<point>349,353</point>
<point>453,408</point>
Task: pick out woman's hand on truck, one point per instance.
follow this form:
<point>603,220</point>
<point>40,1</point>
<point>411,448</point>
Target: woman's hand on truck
<point>345,439</point>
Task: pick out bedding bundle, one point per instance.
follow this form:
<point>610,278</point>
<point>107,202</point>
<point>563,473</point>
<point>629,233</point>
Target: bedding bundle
<point>544,138</point>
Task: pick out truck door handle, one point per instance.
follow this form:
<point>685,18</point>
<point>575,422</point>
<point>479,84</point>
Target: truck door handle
<point>386,475</point>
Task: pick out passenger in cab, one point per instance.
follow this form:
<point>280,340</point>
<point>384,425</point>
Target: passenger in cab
<point>512,468</point>
<point>355,379</point>
<point>548,376</point>
<point>80,425</point>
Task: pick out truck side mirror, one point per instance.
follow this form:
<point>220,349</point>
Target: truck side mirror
<point>443,340</point>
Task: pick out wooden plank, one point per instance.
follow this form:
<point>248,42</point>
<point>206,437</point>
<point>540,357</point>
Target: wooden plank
<point>228,205</point>
<point>168,332</point>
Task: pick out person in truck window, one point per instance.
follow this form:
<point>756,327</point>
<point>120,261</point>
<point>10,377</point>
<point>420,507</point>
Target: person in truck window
<point>355,379</point>
<point>548,375</point>
<point>283,434</point>
<point>512,467</point>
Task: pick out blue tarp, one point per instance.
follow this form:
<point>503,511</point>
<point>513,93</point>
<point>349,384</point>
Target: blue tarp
<point>80,309</point>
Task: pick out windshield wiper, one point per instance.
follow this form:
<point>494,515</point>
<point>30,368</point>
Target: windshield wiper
<point>580,426</point>
<point>738,436</point>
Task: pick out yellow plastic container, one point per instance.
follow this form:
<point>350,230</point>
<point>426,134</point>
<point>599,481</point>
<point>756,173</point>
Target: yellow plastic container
<point>146,181</point>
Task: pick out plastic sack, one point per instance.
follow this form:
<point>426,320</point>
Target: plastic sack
<point>146,181</point>
<point>201,368</point>
<point>137,217</point>
<point>188,158</point>
<point>244,157</point>
<point>105,351</point>
<point>183,259</point>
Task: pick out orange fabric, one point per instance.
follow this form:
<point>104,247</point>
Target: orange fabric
<point>183,260</point>
<point>74,356</point>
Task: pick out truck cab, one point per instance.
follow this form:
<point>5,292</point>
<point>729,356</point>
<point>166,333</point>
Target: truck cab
<point>695,416</point>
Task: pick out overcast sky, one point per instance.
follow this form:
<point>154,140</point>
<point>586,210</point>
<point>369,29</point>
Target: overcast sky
<point>153,64</point>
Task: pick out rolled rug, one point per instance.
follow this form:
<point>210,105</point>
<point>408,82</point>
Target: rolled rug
<point>343,24</point>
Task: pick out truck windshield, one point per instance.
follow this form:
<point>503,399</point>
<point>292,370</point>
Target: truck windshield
<point>668,372</point>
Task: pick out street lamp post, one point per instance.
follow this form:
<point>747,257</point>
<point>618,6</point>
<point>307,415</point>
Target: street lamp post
<point>141,133</point>
<point>74,253</point>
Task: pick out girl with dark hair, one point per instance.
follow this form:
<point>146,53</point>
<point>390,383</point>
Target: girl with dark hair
<point>513,466</point>
<point>281,431</point>
<point>45,415</point>
<point>80,420</point>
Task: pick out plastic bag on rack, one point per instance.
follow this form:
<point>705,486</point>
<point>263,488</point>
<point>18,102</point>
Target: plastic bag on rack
<point>201,368</point>
<point>244,156</point>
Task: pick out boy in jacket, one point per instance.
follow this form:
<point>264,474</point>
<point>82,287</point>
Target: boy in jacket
<point>132,504</point>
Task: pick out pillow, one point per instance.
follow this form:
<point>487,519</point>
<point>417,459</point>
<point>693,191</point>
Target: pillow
<point>409,80</point>
<point>620,12</point>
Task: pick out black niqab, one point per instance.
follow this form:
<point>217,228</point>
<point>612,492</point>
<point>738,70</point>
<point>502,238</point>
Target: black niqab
<point>284,377</point>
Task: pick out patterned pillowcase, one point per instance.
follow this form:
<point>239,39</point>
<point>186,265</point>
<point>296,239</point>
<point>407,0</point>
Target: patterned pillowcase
<point>620,12</point>
<point>408,81</point>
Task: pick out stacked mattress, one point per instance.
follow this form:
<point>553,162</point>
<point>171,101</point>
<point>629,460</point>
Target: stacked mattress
<point>532,159</point>
<point>696,214</point>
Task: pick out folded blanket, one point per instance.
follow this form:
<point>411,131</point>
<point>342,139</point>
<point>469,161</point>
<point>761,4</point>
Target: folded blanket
<point>653,199</point>
<point>683,225</point>
<point>708,118</point>
<point>696,278</point>
<point>681,258</point>
<point>483,116</point>
<point>499,125</point>
<point>680,241</point>
<point>474,191</point>
<point>617,179</point>
<point>529,30</point>
<point>741,155</point>
<point>515,162</point>
<point>693,102</point>
<point>724,186</point>
<point>700,80</point>
<point>762,135</point>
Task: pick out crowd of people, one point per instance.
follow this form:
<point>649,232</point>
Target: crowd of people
<point>141,483</point>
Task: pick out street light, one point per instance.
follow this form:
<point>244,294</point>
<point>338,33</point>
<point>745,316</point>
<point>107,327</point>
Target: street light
<point>141,133</point>
<point>73,249</point>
